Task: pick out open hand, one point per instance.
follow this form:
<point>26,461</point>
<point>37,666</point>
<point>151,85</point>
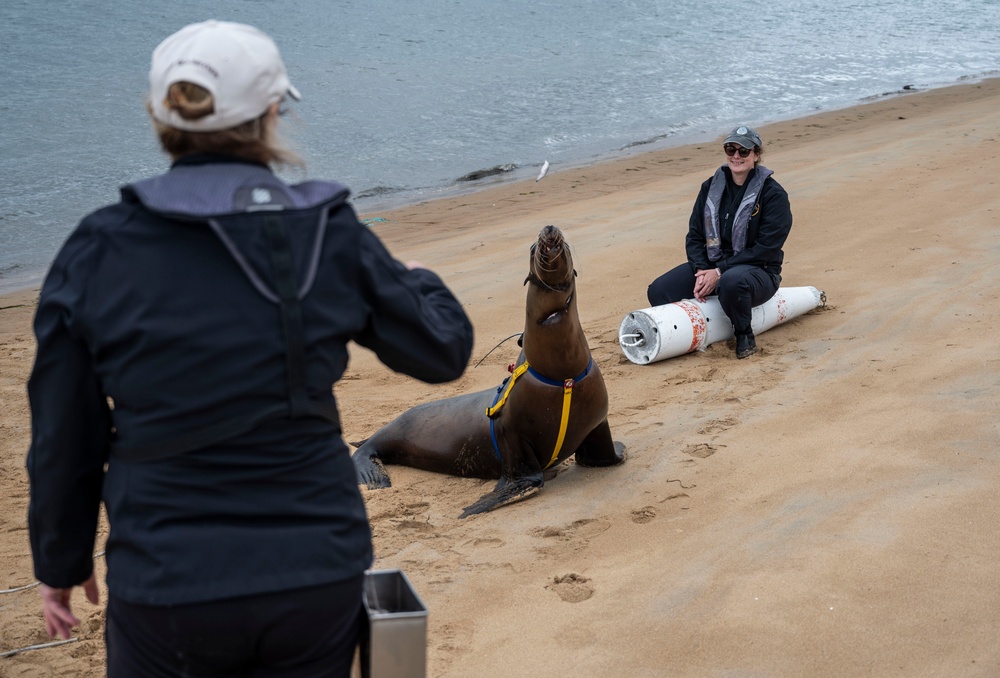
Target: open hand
<point>56,608</point>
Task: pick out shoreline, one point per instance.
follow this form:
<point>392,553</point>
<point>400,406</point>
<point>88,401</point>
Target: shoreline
<point>373,208</point>
<point>640,169</point>
<point>526,173</point>
<point>827,507</point>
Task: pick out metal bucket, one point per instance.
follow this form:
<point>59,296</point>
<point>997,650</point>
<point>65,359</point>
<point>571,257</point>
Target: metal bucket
<point>394,641</point>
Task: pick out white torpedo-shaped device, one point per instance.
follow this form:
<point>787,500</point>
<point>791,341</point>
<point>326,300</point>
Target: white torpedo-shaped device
<point>671,330</point>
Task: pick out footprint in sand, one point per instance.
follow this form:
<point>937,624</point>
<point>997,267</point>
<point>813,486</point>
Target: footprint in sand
<point>452,641</point>
<point>415,509</point>
<point>696,375</point>
<point>572,587</point>
<point>570,537</point>
<point>585,528</point>
<point>718,426</point>
<point>421,526</point>
<point>700,450</point>
<point>643,515</point>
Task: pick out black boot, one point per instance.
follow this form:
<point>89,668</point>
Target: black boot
<point>745,344</point>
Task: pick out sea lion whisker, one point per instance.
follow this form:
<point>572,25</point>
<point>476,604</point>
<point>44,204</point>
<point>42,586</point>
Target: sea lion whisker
<point>549,265</point>
<point>535,280</point>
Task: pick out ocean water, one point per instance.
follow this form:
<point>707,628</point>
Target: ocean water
<point>403,99</point>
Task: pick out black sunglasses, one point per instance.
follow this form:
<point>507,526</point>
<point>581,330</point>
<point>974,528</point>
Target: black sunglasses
<point>733,149</point>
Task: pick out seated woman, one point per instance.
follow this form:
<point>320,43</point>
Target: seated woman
<point>738,226</point>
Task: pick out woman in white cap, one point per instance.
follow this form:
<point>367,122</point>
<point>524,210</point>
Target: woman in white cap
<point>189,337</point>
<point>735,237</point>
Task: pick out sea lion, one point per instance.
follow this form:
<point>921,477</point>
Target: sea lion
<point>553,405</point>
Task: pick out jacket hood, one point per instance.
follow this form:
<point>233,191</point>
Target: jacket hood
<point>219,189</point>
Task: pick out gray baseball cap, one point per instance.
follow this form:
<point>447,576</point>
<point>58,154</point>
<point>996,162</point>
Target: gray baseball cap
<point>745,137</point>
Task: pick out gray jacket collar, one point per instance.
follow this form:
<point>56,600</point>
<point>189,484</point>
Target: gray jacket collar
<point>201,191</point>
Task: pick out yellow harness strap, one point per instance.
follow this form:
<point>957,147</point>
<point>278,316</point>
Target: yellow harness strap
<point>521,369</point>
<point>564,422</point>
<point>491,412</point>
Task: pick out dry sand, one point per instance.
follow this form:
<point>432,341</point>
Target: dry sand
<point>828,507</point>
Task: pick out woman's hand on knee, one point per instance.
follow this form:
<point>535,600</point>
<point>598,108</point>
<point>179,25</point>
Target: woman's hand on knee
<point>705,282</point>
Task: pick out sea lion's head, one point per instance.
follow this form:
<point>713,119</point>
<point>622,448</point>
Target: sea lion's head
<point>551,274</point>
<point>551,264</point>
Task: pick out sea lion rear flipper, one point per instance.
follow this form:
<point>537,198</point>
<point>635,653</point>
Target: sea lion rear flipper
<point>598,448</point>
<point>506,492</point>
<point>371,472</point>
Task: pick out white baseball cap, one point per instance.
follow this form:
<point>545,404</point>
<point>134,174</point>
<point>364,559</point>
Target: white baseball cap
<point>238,64</point>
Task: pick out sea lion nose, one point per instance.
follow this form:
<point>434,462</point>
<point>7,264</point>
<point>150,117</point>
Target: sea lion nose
<point>549,238</point>
<point>549,233</point>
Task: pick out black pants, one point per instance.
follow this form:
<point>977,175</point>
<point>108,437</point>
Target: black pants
<point>305,633</point>
<point>740,289</point>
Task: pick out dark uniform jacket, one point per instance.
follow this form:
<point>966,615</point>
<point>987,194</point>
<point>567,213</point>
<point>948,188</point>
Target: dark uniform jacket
<point>766,233</point>
<point>166,381</point>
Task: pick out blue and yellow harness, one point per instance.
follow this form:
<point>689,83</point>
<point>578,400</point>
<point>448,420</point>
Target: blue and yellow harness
<point>504,390</point>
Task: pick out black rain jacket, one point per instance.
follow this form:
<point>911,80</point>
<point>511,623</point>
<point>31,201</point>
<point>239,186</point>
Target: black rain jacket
<point>163,383</point>
<point>766,233</point>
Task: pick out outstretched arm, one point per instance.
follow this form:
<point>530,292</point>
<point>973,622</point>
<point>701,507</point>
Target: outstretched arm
<point>416,325</point>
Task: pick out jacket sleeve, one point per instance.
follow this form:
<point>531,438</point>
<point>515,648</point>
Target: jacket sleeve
<point>695,244</point>
<point>70,437</point>
<point>772,231</point>
<point>416,325</point>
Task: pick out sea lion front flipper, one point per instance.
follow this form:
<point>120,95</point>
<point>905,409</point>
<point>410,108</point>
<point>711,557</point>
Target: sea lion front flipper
<point>506,492</point>
<point>371,471</point>
<point>598,448</point>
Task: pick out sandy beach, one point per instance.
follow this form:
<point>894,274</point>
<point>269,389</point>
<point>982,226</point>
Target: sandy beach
<point>828,507</point>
